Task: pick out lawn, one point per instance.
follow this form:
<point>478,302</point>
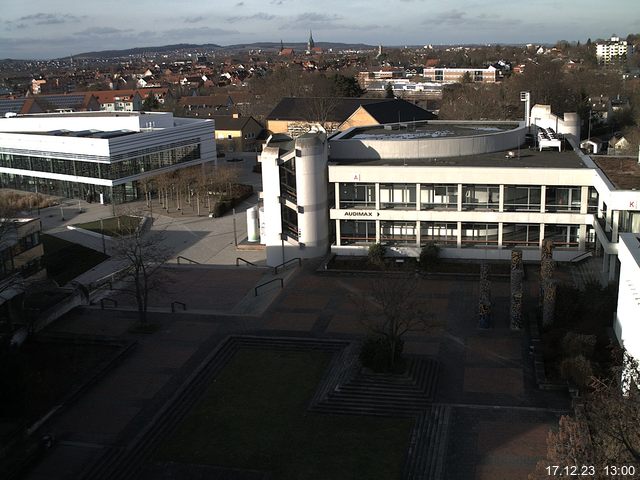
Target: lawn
<point>112,226</point>
<point>65,260</point>
<point>254,416</point>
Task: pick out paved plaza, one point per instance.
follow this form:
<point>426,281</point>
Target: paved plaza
<point>498,418</point>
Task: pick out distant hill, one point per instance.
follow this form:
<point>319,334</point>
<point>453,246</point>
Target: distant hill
<point>141,50</point>
<point>213,46</point>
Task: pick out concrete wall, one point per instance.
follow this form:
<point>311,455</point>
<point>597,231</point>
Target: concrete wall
<point>627,319</point>
<point>395,148</point>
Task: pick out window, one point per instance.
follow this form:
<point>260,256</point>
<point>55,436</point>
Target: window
<point>288,180</point>
<point>439,233</point>
<point>563,199</point>
<point>357,195</point>
<point>398,233</point>
<point>357,232</point>
<point>479,234</point>
<point>480,197</point>
<point>562,235</point>
<point>439,197</point>
<point>521,198</point>
<point>520,235</point>
<point>400,196</point>
<point>289,222</point>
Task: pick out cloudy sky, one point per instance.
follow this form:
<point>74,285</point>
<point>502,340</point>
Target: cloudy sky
<point>58,28</point>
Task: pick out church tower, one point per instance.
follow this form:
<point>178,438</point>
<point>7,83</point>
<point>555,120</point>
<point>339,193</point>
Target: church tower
<point>310,43</point>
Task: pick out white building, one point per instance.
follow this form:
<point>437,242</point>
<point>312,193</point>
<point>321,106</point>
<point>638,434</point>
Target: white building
<point>456,75</point>
<point>473,188</point>
<point>613,50</point>
<point>98,156</point>
<point>627,321</point>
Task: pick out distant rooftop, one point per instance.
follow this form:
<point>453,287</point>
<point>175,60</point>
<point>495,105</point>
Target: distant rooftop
<point>428,129</point>
<point>85,133</point>
<point>624,173</point>
<point>524,158</point>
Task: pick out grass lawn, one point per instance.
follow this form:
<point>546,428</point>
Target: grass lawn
<point>254,416</point>
<point>65,260</point>
<point>113,226</point>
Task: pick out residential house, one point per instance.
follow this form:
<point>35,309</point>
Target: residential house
<point>295,116</point>
<point>235,133</point>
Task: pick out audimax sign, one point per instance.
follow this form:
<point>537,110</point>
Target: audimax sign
<point>359,213</point>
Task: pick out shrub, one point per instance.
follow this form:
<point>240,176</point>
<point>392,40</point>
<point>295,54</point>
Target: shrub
<point>577,370</point>
<point>376,254</point>
<point>578,344</point>
<point>429,256</point>
<point>375,354</point>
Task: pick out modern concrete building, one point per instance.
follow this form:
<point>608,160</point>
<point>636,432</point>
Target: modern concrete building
<point>456,75</point>
<point>473,188</point>
<point>613,50</point>
<point>627,321</point>
<point>99,156</point>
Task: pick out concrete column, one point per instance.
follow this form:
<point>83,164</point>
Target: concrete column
<point>613,267</point>
<point>582,237</point>
<point>501,205</point>
<point>337,194</point>
<point>584,200</point>
<point>377,225</point>
<point>377,197</point>
<point>459,240</point>
<point>543,203</point>
<point>459,200</point>
<point>605,262</point>
<point>338,233</point>
<point>417,234</point>
<point>541,236</point>
<point>600,206</point>
<point>500,235</point>
<point>615,220</point>
<point>418,201</point>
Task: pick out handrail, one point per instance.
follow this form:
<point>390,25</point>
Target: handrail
<point>255,290</point>
<point>102,300</point>
<point>582,256</point>
<point>283,264</point>
<point>239,259</point>
<point>173,306</point>
<point>187,259</point>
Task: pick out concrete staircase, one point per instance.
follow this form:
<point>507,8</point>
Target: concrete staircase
<point>587,271</point>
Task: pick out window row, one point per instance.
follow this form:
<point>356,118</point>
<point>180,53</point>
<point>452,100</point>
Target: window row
<point>107,171</point>
<point>403,196</point>
<point>363,232</point>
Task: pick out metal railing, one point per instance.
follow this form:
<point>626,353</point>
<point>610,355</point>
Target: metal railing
<point>255,290</point>
<point>284,264</point>
<point>173,306</point>
<point>582,256</point>
<point>186,259</point>
<point>240,259</point>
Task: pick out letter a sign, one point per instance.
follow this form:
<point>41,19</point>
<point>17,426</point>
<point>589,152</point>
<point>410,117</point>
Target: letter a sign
<point>356,177</point>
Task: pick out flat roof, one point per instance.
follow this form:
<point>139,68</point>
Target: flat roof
<point>526,159</point>
<point>624,173</point>
<point>428,129</point>
<point>83,133</point>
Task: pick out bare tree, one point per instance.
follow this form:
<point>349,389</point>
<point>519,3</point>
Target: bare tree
<point>143,254</point>
<point>393,308</point>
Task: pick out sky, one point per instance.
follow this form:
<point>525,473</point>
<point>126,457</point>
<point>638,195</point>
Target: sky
<point>42,29</point>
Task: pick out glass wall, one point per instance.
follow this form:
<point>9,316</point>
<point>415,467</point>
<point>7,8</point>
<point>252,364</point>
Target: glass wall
<point>479,234</point>
<point>563,199</point>
<point>357,232</point>
<point>439,197</point>
<point>520,235</point>
<point>125,166</point>
<point>480,197</point>
<point>288,180</point>
<point>358,195</point>
<point>440,233</point>
<point>521,198</point>
<point>563,235</point>
<point>398,196</point>
<point>398,233</point>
